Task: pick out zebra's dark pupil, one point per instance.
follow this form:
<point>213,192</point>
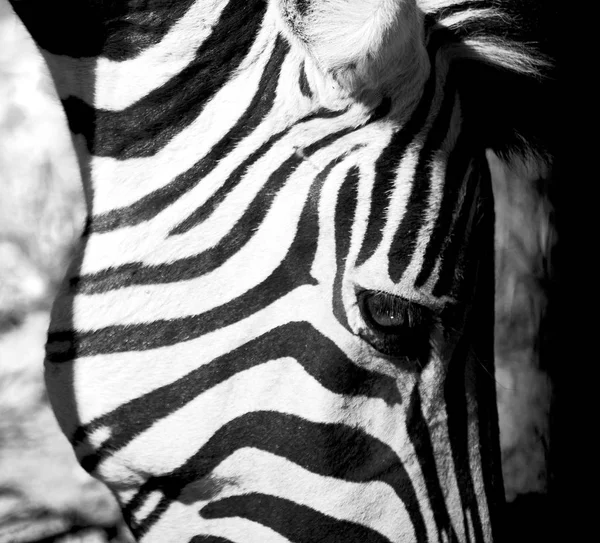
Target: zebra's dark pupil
<point>389,311</point>
<point>397,327</point>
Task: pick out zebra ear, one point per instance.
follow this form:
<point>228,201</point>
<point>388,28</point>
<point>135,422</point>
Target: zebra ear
<point>524,238</point>
<point>364,46</point>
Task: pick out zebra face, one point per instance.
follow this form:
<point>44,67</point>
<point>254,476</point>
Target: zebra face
<point>279,326</point>
<point>298,338</point>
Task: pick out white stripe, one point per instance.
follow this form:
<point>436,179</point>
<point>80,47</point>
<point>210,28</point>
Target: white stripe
<point>279,385</point>
<point>324,264</point>
<point>181,522</point>
<point>119,84</point>
<point>475,464</point>
<point>140,243</point>
<point>431,390</point>
<point>437,173</point>
<point>124,182</point>
<point>137,77</point>
<point>136,373</point>
<point>268,246</point>
<point>148,506</point>
<point>372,274</point>
<point>374,505</point>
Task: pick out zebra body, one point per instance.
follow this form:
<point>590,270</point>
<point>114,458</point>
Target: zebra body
<point>279,325</point>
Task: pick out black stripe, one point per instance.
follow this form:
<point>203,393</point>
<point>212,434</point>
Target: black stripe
<point>144,128</point>
<point>457,256</point>
<point>405,238</point>
<point>137,273</point>
<point>294,521</point>
<point>344,220</point>
<point>331,450</point>
<point>208,207</point>
<point>211,204</point>
<point>303,82</point>
<point>297,340</point>
<point>385,171</point>
<point>209,539</point>
<point>151,205</point>
<point>455,396</point>
<point>116,30</point>
<point>382,110</point>
<point>454,179</point>
<point>482,366</point>
<point>388,162</point>
<point>420,437</point>
<point>302,6</point>
<point>293,272</point>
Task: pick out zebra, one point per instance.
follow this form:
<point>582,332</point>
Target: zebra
<point>279,322</point>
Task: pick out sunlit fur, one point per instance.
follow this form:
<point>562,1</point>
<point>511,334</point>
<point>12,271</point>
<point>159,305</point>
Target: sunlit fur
<point>372,46</point>
<point>207,355</point>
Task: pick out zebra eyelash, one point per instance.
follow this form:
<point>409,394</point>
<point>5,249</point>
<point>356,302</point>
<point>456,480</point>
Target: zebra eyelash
<point>397,327</point>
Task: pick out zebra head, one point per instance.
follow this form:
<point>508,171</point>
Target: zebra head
<point>279,326</point>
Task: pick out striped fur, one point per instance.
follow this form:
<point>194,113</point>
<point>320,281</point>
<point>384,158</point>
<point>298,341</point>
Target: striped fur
<point>271,187</point>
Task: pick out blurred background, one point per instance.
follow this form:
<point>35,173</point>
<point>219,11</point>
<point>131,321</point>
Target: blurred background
<point>44,495</point>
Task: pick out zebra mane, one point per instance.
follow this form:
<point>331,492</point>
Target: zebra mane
<point>490,32</point>
<point>506,76</point>
<point>380,47</point>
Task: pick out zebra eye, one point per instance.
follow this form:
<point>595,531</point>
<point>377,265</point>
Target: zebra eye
<point>396,327</point>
